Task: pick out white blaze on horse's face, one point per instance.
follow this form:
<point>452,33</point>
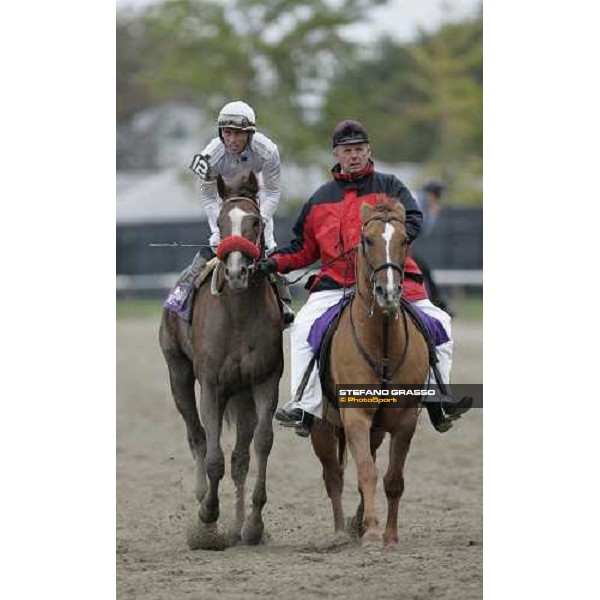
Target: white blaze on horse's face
<point>236,270</point>
<point>237,216</point>
<point>387,236</point>
<point>388,296</point>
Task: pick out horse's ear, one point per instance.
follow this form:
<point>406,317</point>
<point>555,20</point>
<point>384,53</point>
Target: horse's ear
<point>365,211</point>
<point>221,187</point>
<point>253,183</point>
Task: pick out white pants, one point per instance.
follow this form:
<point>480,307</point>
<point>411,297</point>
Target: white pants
<point>316,305</point>
<point>215,237</point>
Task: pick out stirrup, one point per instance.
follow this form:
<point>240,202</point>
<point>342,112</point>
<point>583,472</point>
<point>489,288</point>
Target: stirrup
<point>302,431</point>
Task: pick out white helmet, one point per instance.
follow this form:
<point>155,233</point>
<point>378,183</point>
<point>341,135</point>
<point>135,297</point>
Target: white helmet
<point>237,115</point>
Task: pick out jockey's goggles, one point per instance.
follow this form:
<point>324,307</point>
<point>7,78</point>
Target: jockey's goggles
<point>236,122</point>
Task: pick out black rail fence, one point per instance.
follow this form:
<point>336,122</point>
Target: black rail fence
<point>454,251</point>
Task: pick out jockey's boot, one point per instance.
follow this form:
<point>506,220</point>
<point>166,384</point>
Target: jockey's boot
<point>286,300</point>
<point>182,290</point>
<point>297,418</point>
<point>455,409</point>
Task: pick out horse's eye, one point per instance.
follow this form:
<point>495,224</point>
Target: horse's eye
<point>368,241</point>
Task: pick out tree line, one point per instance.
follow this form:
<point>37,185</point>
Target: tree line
<point>420,100</point>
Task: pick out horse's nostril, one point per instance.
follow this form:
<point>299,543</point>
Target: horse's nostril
<point>379,289</point>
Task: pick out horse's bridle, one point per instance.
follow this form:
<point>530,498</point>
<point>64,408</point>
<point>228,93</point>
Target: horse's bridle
<point>386,265</point>
<point>384,371</point>
<point>258,243</point>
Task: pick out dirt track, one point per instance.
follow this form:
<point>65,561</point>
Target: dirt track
<point>440,550</point>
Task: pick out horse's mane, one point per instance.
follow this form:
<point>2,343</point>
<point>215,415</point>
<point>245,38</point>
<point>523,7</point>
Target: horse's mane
<point>386,206</point>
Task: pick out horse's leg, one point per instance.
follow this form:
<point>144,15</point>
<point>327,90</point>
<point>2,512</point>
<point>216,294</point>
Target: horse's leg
<point>393,482</point>
<point>182,380</point>
<point>355,525</point>
<point>211,410</point>
<point>265,400</point>
<point>323,440</point>
<point>240,457</point>
<point>358,427</point>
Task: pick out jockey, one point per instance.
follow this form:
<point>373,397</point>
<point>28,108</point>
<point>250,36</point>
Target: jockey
<point>329,225</point>
<point>238,147</point>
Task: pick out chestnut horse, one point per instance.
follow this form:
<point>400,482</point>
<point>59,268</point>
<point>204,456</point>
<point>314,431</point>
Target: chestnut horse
<point>233,347</point>
<point>372,328</point>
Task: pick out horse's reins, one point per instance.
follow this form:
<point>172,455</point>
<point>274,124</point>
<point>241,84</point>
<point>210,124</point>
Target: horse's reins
<point>325,264</point>
<point>382,371</point>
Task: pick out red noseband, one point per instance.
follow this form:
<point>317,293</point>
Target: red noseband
<point>237,243</point>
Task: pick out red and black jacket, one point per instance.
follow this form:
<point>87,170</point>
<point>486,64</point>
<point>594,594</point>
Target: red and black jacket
<point>330,224</point>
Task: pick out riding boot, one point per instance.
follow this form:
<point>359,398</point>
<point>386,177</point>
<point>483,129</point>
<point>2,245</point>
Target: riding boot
<point>454,409</point>
<point>286,300</point>
<point>298,418</point>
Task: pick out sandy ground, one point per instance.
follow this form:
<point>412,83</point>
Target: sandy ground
<point>440,550</point>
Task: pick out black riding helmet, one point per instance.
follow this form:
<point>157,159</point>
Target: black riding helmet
<point>349,132</point>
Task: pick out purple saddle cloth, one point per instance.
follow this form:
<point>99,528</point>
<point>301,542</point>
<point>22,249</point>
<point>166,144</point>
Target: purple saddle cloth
<point>180,300</point>
<point>317,332</point>
<point>434,328</point>
<point>321,325</point>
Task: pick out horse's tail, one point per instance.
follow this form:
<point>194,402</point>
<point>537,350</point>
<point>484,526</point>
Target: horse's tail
<point>342,454</point>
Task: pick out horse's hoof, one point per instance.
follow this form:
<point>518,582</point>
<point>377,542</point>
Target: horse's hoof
<point>353,528</point>
<point>390,545</point>
<point>372,545</point>
<point>234,536</point>
<point>205,536</point>
<point>252,533</point>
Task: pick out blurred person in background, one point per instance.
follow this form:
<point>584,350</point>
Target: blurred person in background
<point>238,147</point>
<point>430,202</point>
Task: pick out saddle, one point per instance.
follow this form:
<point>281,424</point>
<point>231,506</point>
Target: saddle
<point>429,328</point>
<point>204,273</point>
<point>183,309</point>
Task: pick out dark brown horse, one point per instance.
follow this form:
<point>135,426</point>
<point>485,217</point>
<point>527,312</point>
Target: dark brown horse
<point>379,322</point>
<point>233,348</point>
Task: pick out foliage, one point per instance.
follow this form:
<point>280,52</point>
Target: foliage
<point>421,101</point>
<point>275,54</point>
<point>132,92</point>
